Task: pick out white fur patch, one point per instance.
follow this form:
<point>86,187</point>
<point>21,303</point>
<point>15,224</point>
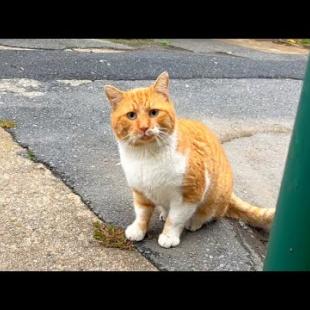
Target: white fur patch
<point>155,171</point>
<point>180,212</point>
<point>168,241</point>
<point>207,186</point>
<point>134,233</point>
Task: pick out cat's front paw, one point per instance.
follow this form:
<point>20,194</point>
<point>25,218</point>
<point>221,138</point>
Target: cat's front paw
<point>134,233</point>
<point>168,241</point>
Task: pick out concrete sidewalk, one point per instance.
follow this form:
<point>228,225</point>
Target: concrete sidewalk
<point>44,226</point>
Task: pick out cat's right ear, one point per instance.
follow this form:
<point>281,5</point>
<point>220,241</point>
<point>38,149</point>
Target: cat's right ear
<point>161,85</point>
<point>113,94</point>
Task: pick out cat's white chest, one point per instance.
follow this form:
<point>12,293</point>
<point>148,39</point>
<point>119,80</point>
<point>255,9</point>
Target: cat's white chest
<point>158,176</point>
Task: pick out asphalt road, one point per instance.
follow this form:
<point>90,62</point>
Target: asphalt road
<point>141,65</point>
<point>67,127</point>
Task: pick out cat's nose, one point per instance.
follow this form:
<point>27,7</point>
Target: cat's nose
<point>144,129</point>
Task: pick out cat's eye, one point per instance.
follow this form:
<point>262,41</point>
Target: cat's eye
<point>153,112</point>
<point>132,115</point>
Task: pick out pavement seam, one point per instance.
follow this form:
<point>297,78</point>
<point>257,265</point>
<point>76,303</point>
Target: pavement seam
<point>58,175</point>
<point>250,133</point>
<point>64,49</point>
<point>185,79</point>
<point>246,247</point>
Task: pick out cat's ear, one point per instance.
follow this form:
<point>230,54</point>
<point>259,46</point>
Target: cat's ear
<point>161,85</point>
<point>114,94</point>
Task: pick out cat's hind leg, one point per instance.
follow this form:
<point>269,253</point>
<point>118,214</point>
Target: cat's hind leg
<point>204,214</point>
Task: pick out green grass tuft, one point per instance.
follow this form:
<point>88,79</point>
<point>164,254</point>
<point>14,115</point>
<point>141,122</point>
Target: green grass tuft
<point>111,237</point>
<point>294,42</point>
<point>30,155</point>
<point>7,123</point>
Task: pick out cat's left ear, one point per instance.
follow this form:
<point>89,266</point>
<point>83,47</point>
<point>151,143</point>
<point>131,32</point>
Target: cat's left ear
<point>161,85</point>
<point>114,94</point>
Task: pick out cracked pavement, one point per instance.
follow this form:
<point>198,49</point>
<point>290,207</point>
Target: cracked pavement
<point>63,116</point>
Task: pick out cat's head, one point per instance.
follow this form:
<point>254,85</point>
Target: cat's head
<point>142,115</point>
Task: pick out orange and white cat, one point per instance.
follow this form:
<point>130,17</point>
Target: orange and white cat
<point>177,165</point>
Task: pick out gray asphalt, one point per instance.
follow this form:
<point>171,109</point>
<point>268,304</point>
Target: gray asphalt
<point>142,65</point>
<point>68,128</point>
<point>61,44</point>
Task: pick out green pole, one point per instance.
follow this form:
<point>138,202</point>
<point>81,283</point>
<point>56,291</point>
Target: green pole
<point>289,243</point>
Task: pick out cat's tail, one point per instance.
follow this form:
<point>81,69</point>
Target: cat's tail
<point>252,215</point>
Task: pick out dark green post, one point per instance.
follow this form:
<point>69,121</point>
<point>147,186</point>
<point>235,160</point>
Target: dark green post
<point>289,243</point>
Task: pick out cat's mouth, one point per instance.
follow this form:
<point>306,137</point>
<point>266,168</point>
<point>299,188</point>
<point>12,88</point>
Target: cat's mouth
<point>146,138</point>
<point>154,135</point>
<point>143,139</point>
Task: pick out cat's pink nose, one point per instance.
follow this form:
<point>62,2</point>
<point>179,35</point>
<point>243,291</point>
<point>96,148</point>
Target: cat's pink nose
<point>144,129</point>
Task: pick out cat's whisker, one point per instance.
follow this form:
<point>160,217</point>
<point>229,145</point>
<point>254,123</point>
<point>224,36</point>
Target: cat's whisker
<point>158,140</point>
<point>163,129</point>
<point>164,138</point>
<point>161,139</point>
<point>131,140</point>
<point>125,138</point>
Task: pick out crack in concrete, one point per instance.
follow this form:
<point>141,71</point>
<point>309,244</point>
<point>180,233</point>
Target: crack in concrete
<point>14,48</point>
<point>17,48</point>
<point>150,78</point>
<point>246,133</point>
<point>95,50</point>
<point>252,255</point>
<point>65,49</point>
<point>230,54</point>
